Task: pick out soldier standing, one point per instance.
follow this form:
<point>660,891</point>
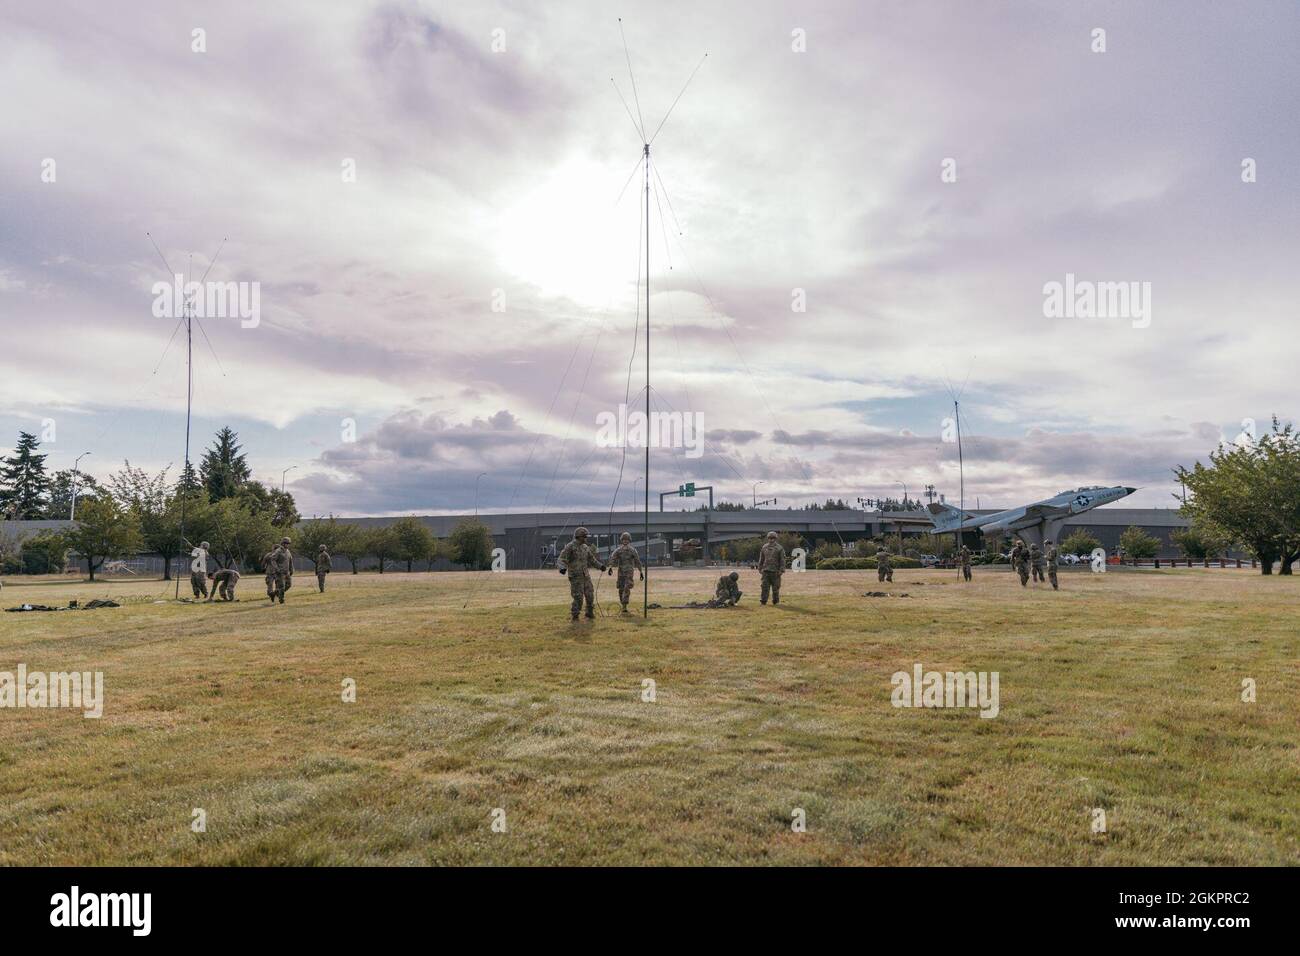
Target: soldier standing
<point>199,570</point>
<point>575,560</point>
<point>280,578</point>
<point>965,562</point>
<point>728,590</point>
<point>884,570</point>
<point>771,565</point>
<point>1052,561</point>
<point>322,567</point>
<point>625,559</point>
<point>225,579</point>
<point>1036,563</point>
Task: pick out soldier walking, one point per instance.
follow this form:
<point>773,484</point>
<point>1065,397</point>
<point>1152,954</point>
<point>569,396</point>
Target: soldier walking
<point>322,567</point>
<point>625,560</point>
<point>884,570</point>
<point>1020,561</point>
<point>965,562</point>
<point>771,565</point>
<point>268,566</point>
<point>1036,563</point>
<point>576,560</point>
<point>728,590</point>
<point>1053,560</point>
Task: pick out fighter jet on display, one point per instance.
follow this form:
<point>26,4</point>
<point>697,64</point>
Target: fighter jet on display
<point>1034,523</point>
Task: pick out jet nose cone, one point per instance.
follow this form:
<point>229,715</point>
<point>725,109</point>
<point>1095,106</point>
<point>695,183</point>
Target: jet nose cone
<point>1130,490</point>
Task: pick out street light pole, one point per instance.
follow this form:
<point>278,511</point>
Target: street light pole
<point>72,515</point>
<point>754,491</point>
<point>282,474</point>
<point>482,474</point>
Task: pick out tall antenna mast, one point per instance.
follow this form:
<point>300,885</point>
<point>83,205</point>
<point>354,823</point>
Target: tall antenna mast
<point>638,123</point>
<point>189,405</point>
<point>189,372</point>
<point>645,584</point>
<point>961,481</point>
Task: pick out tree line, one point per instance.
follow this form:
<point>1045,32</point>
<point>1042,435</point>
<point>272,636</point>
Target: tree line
<point>136,512</point>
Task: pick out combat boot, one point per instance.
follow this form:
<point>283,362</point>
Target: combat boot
<point>589,615</point>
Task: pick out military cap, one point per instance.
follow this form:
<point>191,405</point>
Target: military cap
<point>580,533</point>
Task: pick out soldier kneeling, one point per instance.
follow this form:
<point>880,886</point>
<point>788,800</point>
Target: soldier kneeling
<point>728,590</point>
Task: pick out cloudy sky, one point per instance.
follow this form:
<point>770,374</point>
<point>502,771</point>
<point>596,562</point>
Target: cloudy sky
<point>466,303</point>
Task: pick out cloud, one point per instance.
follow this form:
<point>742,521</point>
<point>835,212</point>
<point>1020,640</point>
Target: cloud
<point>480,261</point>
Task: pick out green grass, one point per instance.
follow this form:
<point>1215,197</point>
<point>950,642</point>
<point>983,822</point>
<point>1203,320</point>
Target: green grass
<point>1122,691</point>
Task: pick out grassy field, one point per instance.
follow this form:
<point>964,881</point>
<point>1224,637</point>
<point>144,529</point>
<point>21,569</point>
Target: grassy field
<point>474,692</point>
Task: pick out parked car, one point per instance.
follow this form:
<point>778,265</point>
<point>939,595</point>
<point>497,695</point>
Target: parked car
<point>929,560</point>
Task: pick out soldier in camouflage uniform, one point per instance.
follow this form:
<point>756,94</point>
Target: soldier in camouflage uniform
<point>575,560</point>
<point>1053,559</point>
<point>268,566</point>
<point>884,570</point>
<point>199,570</point>
<point>771,565</point>
<point>322,567</point>
<point>625,560</point>
<point>728,590</point>
<point>1036,563</point>
<point>225,579</point>
<point>1020,561</point>
<point>280,576</point>
<point>964,557</point>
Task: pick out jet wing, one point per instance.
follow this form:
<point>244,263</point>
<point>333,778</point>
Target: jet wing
<point>1039,512</point>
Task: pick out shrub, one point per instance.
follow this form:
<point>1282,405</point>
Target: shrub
<point>44,553</point>
<point>864,564</point>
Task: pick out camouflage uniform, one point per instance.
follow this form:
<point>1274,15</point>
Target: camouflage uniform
<point>884,570</point>
<point>1052,562</point>
<point>322,568</point>
<point>1020,561</point>
<point>625,560</point>
<point>965,562</point>
<point>225,579</point>
<point>199,577</point>
<point>771,565</point>
<point>268,565</point>
<point>728,591</point>
<point>1036,563</point>
<point>280,577</point>
<point>576,560</point>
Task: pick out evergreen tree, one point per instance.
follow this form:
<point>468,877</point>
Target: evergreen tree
<point>23,482</point>
<point>59,503</point>
<point>223,469</point>
<point>188,483</point>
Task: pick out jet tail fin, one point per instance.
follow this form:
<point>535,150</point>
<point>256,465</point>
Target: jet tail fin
<point>946,517</point>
